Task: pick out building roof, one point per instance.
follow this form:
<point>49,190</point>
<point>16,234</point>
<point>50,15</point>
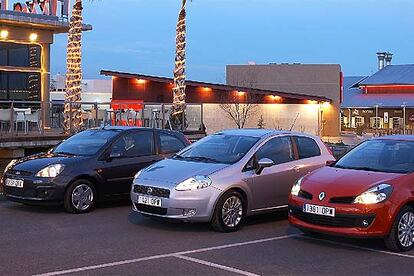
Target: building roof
<point>391,75</point>
<point>354,97</point>
<point>39,21</point>
<point>217,86</point>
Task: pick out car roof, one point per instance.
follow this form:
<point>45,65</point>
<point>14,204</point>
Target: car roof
<point>256,132</point>
<point>396,137</point>
<point>126,128</point>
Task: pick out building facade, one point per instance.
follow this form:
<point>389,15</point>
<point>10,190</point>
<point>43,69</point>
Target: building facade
<point>277,109</point>
<point>383,102</point>
<point>324,80</point>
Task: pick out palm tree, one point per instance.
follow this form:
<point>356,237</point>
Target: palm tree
<point>177,119</point>
<point>73,112</point>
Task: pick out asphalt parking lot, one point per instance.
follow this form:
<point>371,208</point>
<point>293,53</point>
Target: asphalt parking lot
<point>114,241</point>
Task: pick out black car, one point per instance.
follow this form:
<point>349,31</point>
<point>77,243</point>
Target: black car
<point>95,164</point>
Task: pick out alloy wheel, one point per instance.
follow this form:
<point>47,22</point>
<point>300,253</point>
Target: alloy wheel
<point>82,197</point>
<point>406,229</point>
<point>232,211</point>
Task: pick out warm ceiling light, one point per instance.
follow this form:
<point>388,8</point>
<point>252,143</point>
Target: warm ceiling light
<point>141,81</point>
<point>4,34</point>
<point>326,104</point>
<point>33,37</point>
<point>312,102</point>
<point>276,98</point>
<point>207,88</point>
<point>241,93</point>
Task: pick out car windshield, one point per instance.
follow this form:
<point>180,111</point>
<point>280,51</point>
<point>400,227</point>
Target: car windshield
<point>85,143</point>
<point>218,148</point>
<point>388,156</point>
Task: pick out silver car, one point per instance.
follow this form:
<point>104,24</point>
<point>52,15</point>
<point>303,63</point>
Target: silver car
<point>228,176</point>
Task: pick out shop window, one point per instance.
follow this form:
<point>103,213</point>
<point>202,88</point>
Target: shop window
<point>376,122</point>
<point>359,121</point>
<point>20,86</point>
<point>20,55</point>
<point>397,123</point>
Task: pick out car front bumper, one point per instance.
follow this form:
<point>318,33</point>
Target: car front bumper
<point>192,206</point>
<point>354,220</point>
<point>35,190</point>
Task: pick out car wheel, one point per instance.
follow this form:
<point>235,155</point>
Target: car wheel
<point>401,237</point>
<point>229,212</point>
<point>80,197</point>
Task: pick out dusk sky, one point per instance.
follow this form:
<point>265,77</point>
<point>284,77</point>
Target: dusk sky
<point>138,35</point>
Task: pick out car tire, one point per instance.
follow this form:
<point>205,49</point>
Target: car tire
<point>80,197</point>
<point>396,240</point>
<point>229,213</point>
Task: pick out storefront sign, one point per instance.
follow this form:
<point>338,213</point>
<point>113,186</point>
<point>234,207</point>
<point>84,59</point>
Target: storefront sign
<point>45,7</point>
<point>367,111</point>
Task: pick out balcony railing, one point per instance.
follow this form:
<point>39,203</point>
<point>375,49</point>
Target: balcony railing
<point>36,118</point>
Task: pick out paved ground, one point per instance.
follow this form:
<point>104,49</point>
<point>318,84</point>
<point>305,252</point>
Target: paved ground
<point>114,241</point>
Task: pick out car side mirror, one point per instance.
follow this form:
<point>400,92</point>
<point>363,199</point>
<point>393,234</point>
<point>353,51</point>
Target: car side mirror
<point>262,164</point>
<point>330,163</point>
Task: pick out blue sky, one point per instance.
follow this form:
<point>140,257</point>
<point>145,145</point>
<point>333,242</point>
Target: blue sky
<point>138,35</point>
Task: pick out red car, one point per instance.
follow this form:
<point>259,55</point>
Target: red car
<point>369,192</point>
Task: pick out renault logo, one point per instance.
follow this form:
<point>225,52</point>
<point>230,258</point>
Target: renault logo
<point>322,196</point>
<point>149,191</point>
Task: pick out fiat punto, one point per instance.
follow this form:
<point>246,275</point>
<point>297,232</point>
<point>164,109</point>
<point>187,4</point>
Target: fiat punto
<point>367,193</point>
<point>227,176</point>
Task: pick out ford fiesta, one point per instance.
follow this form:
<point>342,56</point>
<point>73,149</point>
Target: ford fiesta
<point>95,164</point>
<point>227,176</point>
<point>367,193</point>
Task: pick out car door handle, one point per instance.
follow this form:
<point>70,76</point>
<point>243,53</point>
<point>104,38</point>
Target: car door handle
<point>297,168</point>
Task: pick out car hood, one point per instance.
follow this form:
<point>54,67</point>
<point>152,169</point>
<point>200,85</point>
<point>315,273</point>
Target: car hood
<point>337,182</point>
<point>176,171</point>
<point>35,163</point>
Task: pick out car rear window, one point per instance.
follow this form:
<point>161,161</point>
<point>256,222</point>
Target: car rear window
<point>307,147</point>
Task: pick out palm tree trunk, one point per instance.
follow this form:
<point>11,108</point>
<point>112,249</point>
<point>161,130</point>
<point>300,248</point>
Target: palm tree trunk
<point>178,114</point>
<point>73,112</point>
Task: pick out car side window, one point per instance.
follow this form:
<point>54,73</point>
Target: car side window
<point>134,144</point>
<point>307,147</point>
<point>279,150</point>
<point>170,143</point>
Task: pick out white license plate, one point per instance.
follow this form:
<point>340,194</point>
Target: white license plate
<point>319,210</point>
<point>14,183</point>
<point>151,201</point>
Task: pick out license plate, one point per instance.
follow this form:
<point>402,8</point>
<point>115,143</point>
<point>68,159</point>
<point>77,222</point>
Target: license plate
<point>151,201</point>
<point>14,183</point>
<point>319,210</point>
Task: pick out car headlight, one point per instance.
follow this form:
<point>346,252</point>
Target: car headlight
<point>194,183</point>
<point>296,188</point>
<point>10,165</point>
<point>51,171</point>
<point>374,195</point>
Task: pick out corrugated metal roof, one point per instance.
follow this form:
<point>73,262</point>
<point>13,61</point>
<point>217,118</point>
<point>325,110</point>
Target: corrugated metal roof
<point>355,97</point>
<point>391,74</point>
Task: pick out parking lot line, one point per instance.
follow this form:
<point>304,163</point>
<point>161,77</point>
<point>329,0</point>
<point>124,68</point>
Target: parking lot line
<point>360,247</point>
<point>223,267</point>
<point>125,262</point>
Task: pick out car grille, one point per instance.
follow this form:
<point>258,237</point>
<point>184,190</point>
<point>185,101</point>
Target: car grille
<point>19,173</point>
<point>151,191</point>
<point>340,220</point>
<point>305,195</point>
<point>151,209</point>
<point>342,200</point>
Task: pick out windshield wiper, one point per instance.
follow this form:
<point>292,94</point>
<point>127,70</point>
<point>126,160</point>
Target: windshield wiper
<point>201,158</point>
<point>358,168</point>
<point>65,153</point>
